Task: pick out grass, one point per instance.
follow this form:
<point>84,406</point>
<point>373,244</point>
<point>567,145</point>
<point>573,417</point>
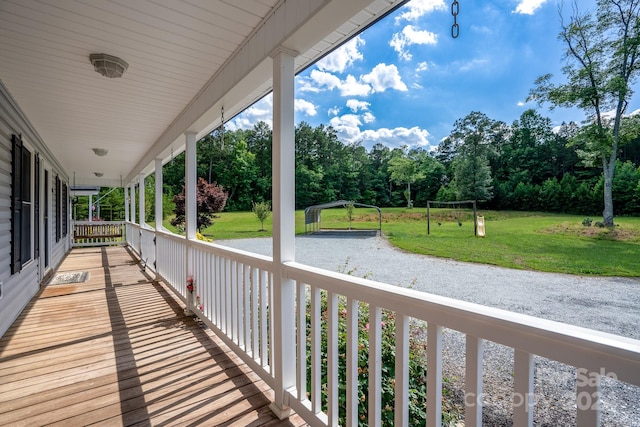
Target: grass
<point>523,240</point>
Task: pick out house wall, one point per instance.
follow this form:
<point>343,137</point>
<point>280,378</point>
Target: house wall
<point>18,289</point>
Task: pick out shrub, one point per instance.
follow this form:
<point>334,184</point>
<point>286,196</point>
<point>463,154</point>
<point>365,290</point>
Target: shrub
<point>417,366</point>
<point>587,222</point>
<point>262,211</point>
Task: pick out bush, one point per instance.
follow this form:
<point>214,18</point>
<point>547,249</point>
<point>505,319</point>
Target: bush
<point>417,366</point>
<point>587,222</point>
<point>262,210</point>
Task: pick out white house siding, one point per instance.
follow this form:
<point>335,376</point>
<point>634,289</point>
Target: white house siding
<point>18,289</point>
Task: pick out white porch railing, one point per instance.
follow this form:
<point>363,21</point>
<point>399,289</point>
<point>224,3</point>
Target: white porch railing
<point>133,236</point>
<point>233,295</point>
<point>98,233</point>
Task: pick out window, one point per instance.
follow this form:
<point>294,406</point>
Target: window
<point>21,205</point>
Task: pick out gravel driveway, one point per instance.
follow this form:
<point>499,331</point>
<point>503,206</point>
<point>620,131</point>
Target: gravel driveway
<point>607,304</point>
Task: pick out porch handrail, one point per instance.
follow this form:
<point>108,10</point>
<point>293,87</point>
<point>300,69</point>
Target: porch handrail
<point>233,295</point>
<point>595,353</point>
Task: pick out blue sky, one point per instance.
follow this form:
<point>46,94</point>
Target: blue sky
<point>405,80</point>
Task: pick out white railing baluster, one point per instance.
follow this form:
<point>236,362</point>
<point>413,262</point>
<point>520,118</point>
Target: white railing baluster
<point>473,382</point>
<point>332,358</point>
<point>218,291</point>
<point>588,400</point>
<point>434,375</point>
<point>301,320</point>
<point>264,299</point>
<point>401,416</point>
<point>352,362</point>
<point>226,285</point>
<point>233,300</point>
<point>255,279</point>
<point>272,321</point>
<point>246,289</point>
<point>240,304</point>
<point>523,389</point>
<point>375,366</point>
<point>316,369</point>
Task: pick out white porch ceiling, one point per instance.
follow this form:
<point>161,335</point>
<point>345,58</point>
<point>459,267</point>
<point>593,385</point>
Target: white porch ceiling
<point>187,59</point>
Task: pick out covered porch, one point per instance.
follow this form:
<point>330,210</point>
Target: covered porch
<point>124,343</point>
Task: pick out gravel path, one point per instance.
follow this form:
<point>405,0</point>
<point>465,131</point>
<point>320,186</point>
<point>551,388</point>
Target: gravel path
<point>607,304</point>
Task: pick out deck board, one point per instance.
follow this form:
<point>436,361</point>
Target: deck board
<point>117,349</point>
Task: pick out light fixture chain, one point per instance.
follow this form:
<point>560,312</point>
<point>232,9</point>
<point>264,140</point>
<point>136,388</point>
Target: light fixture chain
<point>222,127</point>
<point>455,10</point>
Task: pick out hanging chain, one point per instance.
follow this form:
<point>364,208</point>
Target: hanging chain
<point>455,10</point>
<point>222,127</point>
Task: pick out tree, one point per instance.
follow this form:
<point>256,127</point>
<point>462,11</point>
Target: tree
<point>404,169</point>
<point>473,136</point>
<point>473,178</point>
<point>602,61</point>
<point>262,211</point>
<point>210,199</point>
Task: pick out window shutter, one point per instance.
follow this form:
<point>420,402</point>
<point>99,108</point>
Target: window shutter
<point>16,203</point>
<point>36,210</point>
<point>65,210</point>
<point>58,200</point>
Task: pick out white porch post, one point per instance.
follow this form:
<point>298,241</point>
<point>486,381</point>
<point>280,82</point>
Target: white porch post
<point>132,199</point>
<point>141,214</point>
<point>126,204</point>
<point>283,160</point>
<point>158,200</point>
<point>190,210</point>
<point>90,207</point>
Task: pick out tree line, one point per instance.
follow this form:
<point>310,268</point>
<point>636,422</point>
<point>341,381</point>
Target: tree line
<point>527,165</point>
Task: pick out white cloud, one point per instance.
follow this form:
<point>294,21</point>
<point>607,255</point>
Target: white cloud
<point>333,111</point>
<point>356,105</point>
<point>381,78</point>
<point>471,65</point>
<point>353,87</point>
<point>348,127</point>
<point>521,103</point>
<point>324,79</point>
<point>384,77</point>
<point>260,111</point>
<point>409,36</point>
<point>342,57</point>
<point>422,66</point>
<point>528,7</point>
<point>418,8</point>
<point>368,117</point>
<point>396,137</point>
<point>482,29</point>
<point>305,106</point>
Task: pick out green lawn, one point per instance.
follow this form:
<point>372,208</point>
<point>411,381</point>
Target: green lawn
<point>524,240</point>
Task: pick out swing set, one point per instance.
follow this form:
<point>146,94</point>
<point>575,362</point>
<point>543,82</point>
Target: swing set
<point>478,221</point>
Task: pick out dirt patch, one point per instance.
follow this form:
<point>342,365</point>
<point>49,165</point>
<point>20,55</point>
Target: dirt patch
<point>601,233</point>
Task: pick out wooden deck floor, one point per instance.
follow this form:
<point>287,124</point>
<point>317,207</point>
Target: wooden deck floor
<point>118,350</point>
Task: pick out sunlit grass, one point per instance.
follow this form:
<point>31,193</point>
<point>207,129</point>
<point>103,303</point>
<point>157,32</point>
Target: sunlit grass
<point>524,240</point>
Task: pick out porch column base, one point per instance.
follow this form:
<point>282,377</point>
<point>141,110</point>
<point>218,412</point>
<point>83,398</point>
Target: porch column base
<point>188,312</point>
<point>281,413</point>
